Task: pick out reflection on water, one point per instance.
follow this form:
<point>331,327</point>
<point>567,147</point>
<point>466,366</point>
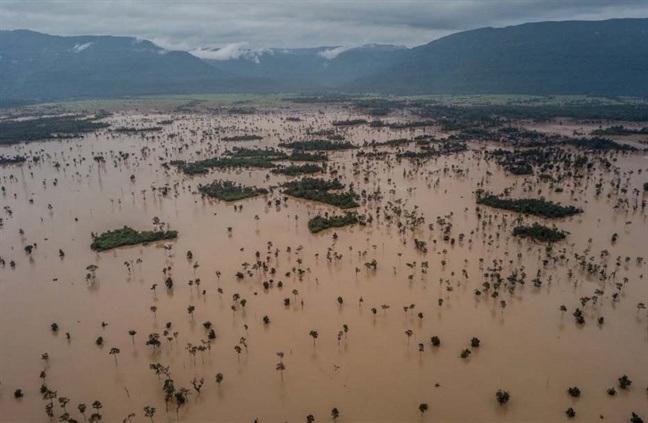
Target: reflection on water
<point>373,373</point>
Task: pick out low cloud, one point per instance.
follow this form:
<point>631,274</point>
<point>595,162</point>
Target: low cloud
<point>232,51</point>
<point>332,53</point>
<point>78,48</point>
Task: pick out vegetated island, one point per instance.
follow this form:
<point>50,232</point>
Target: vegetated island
<point>599,144</point>
<point>326,145</point>
<point>296,170</point>
<point>620,130</point>
<point>245,137</point>
<point>318,190</point>
<point>531,206</point>
<point>230,191</point>
<point>12,160</point>
<point>133,130</point>
<point>128,236</point>
<point>349,122</point>
<point>321,223</point>
<point>246,158</point>
<point>540,233</point>
<point>59,127</point>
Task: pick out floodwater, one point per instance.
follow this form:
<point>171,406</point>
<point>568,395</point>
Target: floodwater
<point>373,374</point>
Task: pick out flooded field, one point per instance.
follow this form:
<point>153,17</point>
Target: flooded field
<point>425,256</point>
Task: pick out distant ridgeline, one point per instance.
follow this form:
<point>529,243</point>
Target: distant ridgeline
<point>598,58</point>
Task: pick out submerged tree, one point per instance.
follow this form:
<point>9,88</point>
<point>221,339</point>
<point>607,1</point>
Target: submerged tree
<point>502,397</point>
<point>149,412</point>
<point>314,335</point>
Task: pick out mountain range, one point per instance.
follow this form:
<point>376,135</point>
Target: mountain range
<point>607,58</point>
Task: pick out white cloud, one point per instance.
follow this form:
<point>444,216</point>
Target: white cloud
<point>332,53</point>
<point>78,48</point>
<point>232,51</point>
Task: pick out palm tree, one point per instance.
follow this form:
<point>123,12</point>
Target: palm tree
<point>345,327</point>
<point>314,334</point>
<point>423,408</point>
<point>436,341</point>
<point>190,310</point>
<point>335,413</point>
<point>154,310</point>
<point>132,333</point>
<point>465,353</point>
<point>281,367</point>
<point>149,412</point>
<point>340,301</point>
<point>310,418</point>
<point>238,352</point>
<point>114,352</point>
<point>570,413</point>
<point>474,342</point>
<point>63,401</point>
<point>219,378</point>
<point>295,293</point>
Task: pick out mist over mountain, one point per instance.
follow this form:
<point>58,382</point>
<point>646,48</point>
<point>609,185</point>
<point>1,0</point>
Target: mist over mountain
<point>548,58</point>
<point>46,67</point>
<point>308,68</point>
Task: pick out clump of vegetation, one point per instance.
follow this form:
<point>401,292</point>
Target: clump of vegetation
<point>265,153</point>
<point>502,397</point>
<point>599,144</point>
<point>442,148</point>
<point>203,166</point>
<point>324,145</point>
<point>138,130</point>
<point>540,233</point>
<point>296,170</point>
<point>230,191</point>
<point>12,160</point>
<point>245,137</point>
<point>128,236</point>
<point>318,190</point>
<point>300,156</point>
<point>531,206</point>
<point>321,223</point>
<point>620,130</point>
<point>349,122</point>
<point>44,128</point>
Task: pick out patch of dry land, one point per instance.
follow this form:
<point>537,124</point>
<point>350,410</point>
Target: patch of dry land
<point>298,323</point>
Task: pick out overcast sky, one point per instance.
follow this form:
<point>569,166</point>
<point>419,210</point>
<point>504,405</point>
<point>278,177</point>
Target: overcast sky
<point>187,25</point>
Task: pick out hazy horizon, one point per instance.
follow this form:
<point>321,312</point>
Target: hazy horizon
<point>191,26</point>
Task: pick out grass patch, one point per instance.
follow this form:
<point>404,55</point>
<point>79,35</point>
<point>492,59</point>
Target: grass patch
<point>540,233</point>
<point>229,191</point>
<point>321,223</point>
<point>128,236</point>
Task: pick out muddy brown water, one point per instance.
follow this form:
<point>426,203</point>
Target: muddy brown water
<point>373,374</point>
